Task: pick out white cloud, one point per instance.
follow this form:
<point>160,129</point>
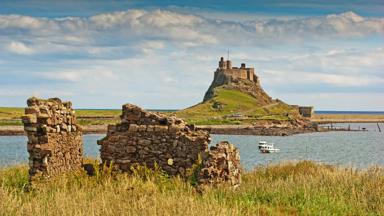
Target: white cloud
<point>145,56</point>
<point>130,26</point>
<point>342,80</point>
<point>92,74</point>
<point>19,48</point>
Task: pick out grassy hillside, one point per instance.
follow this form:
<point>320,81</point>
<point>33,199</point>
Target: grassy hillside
<point>287,189</point>
<point>234,102</point>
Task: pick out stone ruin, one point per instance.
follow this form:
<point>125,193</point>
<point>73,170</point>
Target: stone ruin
<point>146,138</point>
<point>142,138</point>
<point>55,141</point>
<point>221,164</point>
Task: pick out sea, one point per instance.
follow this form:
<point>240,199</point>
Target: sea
<point>356,149</point>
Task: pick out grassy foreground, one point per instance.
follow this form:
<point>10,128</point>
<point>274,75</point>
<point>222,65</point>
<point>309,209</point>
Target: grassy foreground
<point>302,188</point>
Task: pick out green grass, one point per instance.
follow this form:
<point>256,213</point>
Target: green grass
<point>11,112</point>
<point>10,116</point>
<point>98,112</point>
<point>235,102</point>
<point>302,188</point>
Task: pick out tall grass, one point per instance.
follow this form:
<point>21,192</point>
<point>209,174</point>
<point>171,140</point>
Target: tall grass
<point>302,188</point>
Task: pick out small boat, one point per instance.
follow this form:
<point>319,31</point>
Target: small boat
<point>262,144</point>
<point>265,147</point>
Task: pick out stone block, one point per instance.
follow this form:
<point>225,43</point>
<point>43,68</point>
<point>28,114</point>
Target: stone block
<point>29,119</point>
<point>133,128</point>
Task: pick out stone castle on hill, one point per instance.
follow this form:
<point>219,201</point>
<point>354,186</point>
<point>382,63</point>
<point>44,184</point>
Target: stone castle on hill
<point>225,68</point>
<point>242,77</point>
<point>245,80</point>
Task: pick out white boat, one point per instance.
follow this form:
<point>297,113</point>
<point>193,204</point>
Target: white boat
<point>262,144</point>
<point>265,147</point>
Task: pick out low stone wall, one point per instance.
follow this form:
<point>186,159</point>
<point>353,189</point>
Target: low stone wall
<point>54,139</point>
<point>221,164</point>
<point>146,138</point>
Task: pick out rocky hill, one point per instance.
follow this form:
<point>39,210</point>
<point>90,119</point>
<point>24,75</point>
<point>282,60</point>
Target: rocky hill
<point>235,96</point>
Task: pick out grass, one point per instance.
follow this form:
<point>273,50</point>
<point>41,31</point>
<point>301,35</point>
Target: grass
<point>201,114</point>
<point>11,112</point>
<point>324,118</point>
<point>234,102</point>
<point>303,188</point>
<point>11,116</point>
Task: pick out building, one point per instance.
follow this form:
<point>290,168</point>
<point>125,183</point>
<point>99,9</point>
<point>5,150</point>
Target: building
<point>306,111</point>
<point>242,72</point>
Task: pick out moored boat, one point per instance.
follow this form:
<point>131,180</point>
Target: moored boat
<point>262,144</point>
<point>265,147</point>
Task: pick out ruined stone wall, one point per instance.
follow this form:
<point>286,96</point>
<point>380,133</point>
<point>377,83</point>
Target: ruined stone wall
<point>236,73</point>
<point>221,164</point>
<point>54,139</point>
<point>147,138</point>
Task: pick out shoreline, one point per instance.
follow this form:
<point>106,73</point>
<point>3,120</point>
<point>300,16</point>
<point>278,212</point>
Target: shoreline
<point>334,121</point>
<point>216,129</point>
<point>213,129</point>
<point>19,130</point>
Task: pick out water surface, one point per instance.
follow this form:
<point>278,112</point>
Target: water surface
<point>358,149</point>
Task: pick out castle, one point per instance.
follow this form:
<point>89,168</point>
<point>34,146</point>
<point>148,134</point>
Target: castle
<point>226,74</point>
<point>232,73</point>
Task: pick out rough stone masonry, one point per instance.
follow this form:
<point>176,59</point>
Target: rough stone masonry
<point>221,164</point>
<point>146,138</point>
<point>54,139</point>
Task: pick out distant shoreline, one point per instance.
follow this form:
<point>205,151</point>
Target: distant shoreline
<point>18,130</point>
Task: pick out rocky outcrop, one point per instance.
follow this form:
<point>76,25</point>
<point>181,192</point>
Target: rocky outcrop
<point>231,78</point>
<point>146,138</point>
<point>221,165</point>
<point>54,139</point>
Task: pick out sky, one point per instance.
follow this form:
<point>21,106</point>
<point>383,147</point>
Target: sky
<point>162,54</point>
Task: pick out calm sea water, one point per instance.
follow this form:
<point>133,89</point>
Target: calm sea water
<point>356,149</point>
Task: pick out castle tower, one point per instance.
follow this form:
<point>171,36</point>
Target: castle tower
<point>222,63</point>
<point>229,64</point>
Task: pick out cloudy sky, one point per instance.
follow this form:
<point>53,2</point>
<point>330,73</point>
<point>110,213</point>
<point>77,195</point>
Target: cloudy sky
<point>162,54</point>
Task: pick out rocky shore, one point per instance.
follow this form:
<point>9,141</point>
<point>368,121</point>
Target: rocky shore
<point>254,130</point>
<point>213,129</point>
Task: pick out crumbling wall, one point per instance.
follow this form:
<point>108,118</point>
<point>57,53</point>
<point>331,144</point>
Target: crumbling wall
<point>147,138</point>
<point>54,139</point>
<point>221,164</point>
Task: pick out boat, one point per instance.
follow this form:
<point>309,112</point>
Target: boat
<point>265,147</point>
<point>262,144</point>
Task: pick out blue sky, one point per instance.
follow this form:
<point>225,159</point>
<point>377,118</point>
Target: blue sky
<point>162,54</point>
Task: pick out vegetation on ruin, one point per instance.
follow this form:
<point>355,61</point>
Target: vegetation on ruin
<point>235,103</point>
<point>303,188</point>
